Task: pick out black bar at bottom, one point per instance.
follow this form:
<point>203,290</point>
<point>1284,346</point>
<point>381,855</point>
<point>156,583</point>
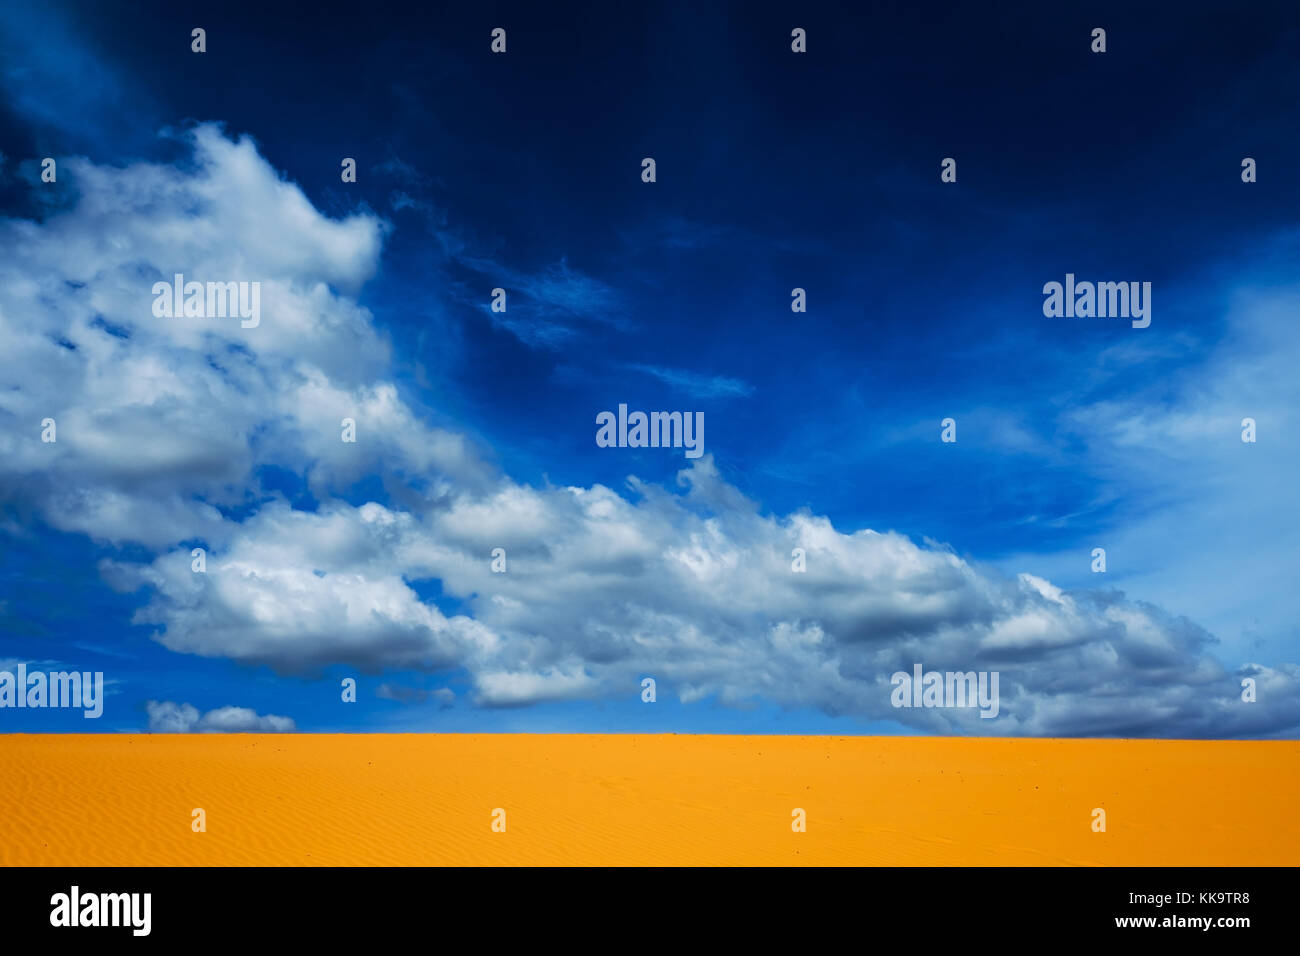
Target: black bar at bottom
<point>645,906</point>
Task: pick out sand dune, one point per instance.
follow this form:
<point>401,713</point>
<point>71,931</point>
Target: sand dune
<point>427,799</point>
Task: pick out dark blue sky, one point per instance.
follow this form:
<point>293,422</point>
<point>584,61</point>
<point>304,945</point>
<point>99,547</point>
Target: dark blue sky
<point>774,171</point>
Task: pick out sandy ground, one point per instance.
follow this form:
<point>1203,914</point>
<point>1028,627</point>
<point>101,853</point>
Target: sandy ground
<point>428,799</point>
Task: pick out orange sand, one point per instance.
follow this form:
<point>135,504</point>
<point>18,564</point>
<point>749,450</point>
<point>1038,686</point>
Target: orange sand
<point>419,799</point>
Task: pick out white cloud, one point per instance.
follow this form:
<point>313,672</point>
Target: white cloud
<point>166,717</point>
<point>165,421</point>
<point>1199,503</point>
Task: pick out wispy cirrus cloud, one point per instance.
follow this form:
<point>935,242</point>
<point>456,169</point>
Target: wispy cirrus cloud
<point>695,384</point>
<point>548,308</point>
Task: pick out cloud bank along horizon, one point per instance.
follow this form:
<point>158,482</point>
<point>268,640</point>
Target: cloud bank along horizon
<point>184,432</point>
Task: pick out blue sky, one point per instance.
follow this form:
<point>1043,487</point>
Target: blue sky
<point>775,170</point>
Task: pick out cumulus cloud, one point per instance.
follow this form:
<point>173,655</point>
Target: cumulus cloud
<point>164,425</point>
<point>166,717</point>
<point>444,697</point>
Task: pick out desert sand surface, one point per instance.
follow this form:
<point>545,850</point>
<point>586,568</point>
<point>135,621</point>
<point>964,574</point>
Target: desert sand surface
<point>428,799</point>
